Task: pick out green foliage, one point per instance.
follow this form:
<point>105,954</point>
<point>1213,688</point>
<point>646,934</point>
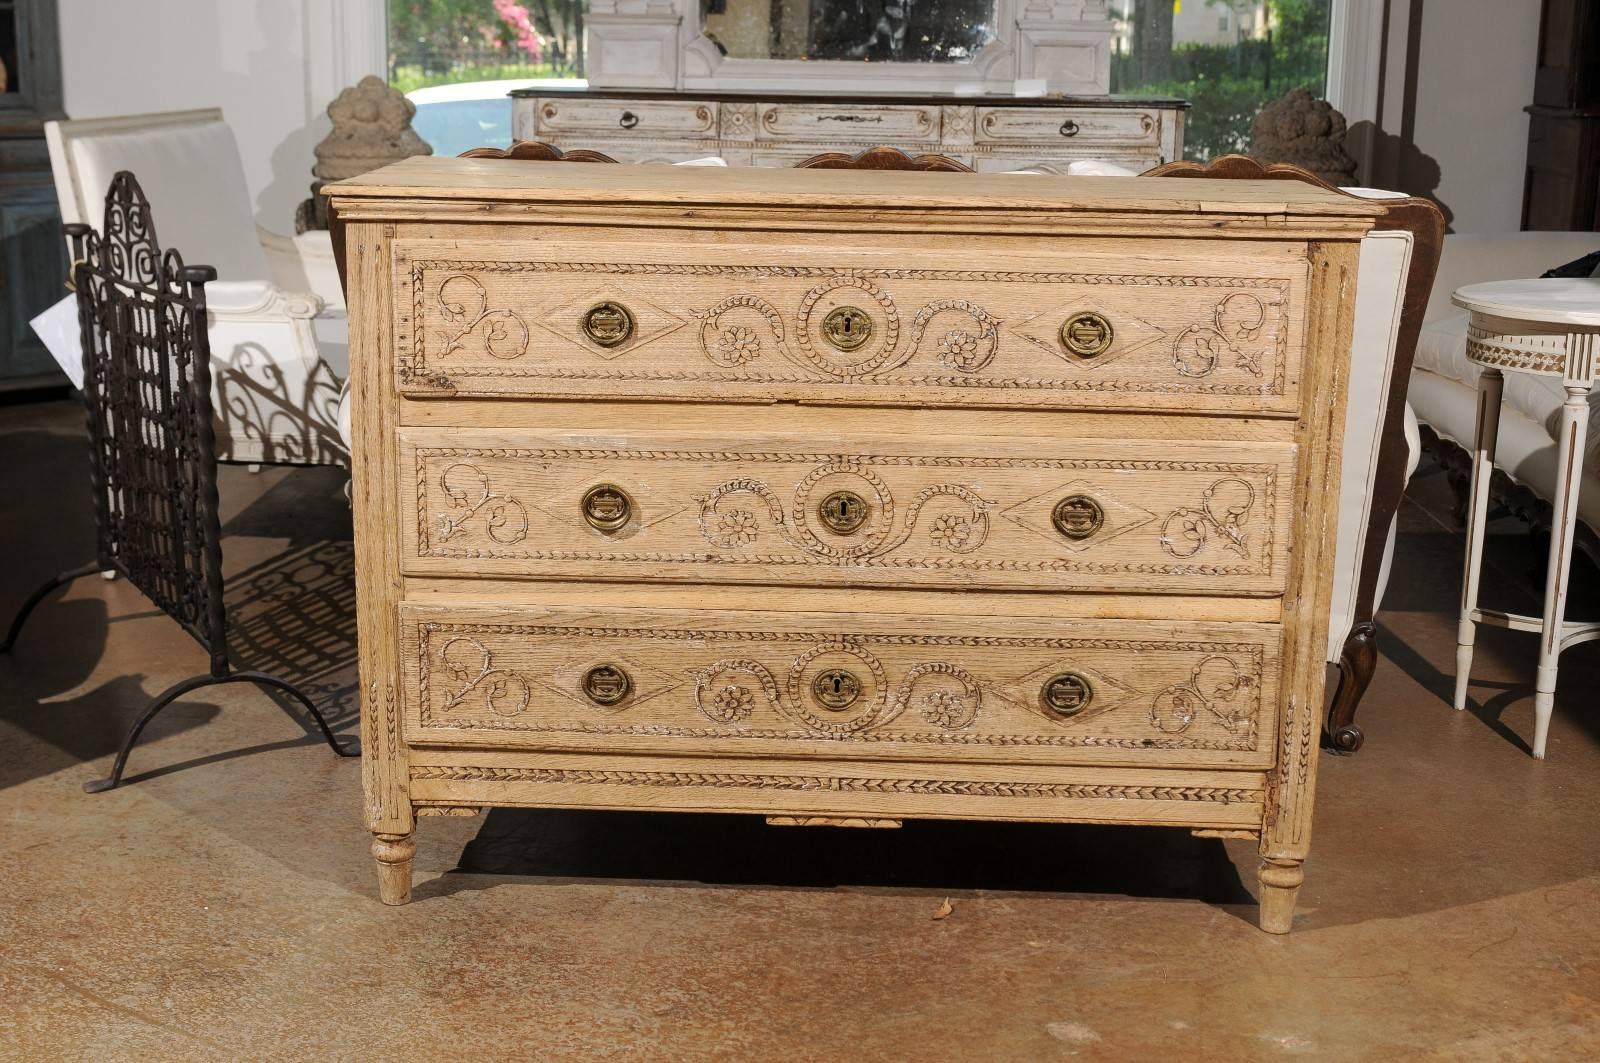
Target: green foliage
<point>441,42</point>
<point>1228,85</point>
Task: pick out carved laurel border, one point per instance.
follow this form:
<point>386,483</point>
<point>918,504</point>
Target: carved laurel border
<point>1246,742</point>
<point>426,547</point>
<point>414,369</point>
<point>839,784</point>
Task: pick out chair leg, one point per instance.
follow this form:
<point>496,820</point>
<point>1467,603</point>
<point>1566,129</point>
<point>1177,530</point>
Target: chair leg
<point>1483,450</point>
<point>1357,661</point>
<point>176,691</point>
<point>40,595</point>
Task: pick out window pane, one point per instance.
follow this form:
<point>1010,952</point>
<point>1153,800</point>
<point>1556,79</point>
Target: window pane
<point>899,31</point>
<point>1229,58</point>
<point>456,59</point>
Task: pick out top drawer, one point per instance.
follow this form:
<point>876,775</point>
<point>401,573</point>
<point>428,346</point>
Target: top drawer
<point>674,118</point>
<point>1153,324</point>
<point>1114,127</point>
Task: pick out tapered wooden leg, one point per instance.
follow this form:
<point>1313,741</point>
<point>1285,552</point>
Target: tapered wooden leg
<point>1278,884</point>
<point>393,852</point>
<point>1483,448</point>
<point>1563,522</point>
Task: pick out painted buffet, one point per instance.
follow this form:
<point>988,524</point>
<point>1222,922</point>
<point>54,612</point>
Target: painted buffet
<point>844,497</point>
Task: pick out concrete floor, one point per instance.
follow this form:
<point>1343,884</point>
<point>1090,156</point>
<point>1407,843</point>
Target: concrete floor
<point>224,906</point>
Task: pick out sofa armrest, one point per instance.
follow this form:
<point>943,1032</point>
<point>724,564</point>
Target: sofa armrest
<point>304,263</point>
<point>259,301</point>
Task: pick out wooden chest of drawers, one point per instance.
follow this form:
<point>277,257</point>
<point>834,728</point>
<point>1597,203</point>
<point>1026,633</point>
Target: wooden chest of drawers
<point>990,134</point>
<point>845,497</point>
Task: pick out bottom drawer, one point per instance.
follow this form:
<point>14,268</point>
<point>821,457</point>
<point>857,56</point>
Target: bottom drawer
<point>729,681</point>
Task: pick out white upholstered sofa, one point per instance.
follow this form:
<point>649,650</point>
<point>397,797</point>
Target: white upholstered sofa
<point>279,338</point>
<point>1444,384</point>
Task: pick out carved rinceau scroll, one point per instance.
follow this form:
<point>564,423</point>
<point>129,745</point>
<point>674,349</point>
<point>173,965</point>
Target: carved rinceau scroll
<point>728,525</point>
<point>464,306</point>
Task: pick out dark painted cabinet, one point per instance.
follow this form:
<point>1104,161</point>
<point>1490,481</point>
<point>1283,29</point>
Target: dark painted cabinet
<point>33,260</point>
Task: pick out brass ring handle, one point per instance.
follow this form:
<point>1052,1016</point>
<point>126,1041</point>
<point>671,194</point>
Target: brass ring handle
<point>847,327</point>
<point>843,512</point>
<point>1066,694</point>
<point>607,324</point>
<point>628,120</point>
<point>836,689</point>
<point>606,507</point>
<point>1077,517</point>
<point>1087,334</point>
<point>606,684</point>
<point>1069,128</point>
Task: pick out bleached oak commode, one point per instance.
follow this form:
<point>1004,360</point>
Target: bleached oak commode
<point>845,497</point>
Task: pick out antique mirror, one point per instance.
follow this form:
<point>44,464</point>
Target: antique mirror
<point>828,47</point>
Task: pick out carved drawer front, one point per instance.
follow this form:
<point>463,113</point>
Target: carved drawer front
<point>1112,128</point>
<point>1149,516</point>
<point>725,682</point>
<point>628,118</point>
<point>1163,325</point>
<point>864,123</point>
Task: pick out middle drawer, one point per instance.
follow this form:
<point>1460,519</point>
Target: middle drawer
<point>1150,516</point>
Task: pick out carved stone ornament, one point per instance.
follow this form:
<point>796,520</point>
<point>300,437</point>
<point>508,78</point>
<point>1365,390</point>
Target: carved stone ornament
<point>1306,132</point>
<point>371,128</point>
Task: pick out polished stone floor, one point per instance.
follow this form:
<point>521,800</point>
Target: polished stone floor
<point>223,907</point>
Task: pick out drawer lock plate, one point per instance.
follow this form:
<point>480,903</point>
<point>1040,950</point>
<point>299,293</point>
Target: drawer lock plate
<point>847,327</point>
<point>843,512</point>
<point>836,689</point>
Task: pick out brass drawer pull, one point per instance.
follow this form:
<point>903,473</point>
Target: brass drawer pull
<point>1069,128</point>
<point>1077,516</point>
<point>1086,334</point>
<point>1066,694</point>
<point>608,324</point>
<point>606,684</point>
<point>606,507</point>
<point>843,512</point>
<point>847,327</point>
<point>836,689</point>
<point>628,120</point>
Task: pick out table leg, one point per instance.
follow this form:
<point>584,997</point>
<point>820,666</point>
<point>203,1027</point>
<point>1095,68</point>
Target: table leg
<point>1563,522</point>
<point>1483,448</point>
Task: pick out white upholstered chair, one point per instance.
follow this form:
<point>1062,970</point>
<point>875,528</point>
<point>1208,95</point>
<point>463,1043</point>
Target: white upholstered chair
<point>278,333</point>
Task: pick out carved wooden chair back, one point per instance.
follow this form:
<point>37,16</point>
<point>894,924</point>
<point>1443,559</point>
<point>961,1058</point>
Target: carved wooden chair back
<point>536,151</point>
<point>883,157</point>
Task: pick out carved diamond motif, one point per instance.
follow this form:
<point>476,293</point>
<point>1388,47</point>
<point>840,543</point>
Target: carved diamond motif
<point>1035,514</point>
<point>1129,333</point>
<point>1105,693</point>
<point>650,322</point>
<point>562,504</point>
<point>647,682</point>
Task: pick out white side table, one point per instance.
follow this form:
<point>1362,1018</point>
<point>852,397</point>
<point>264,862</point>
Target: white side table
<point>1547,328</point>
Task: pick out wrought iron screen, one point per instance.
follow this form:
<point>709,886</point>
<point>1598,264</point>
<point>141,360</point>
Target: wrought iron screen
<point>147,386</point>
